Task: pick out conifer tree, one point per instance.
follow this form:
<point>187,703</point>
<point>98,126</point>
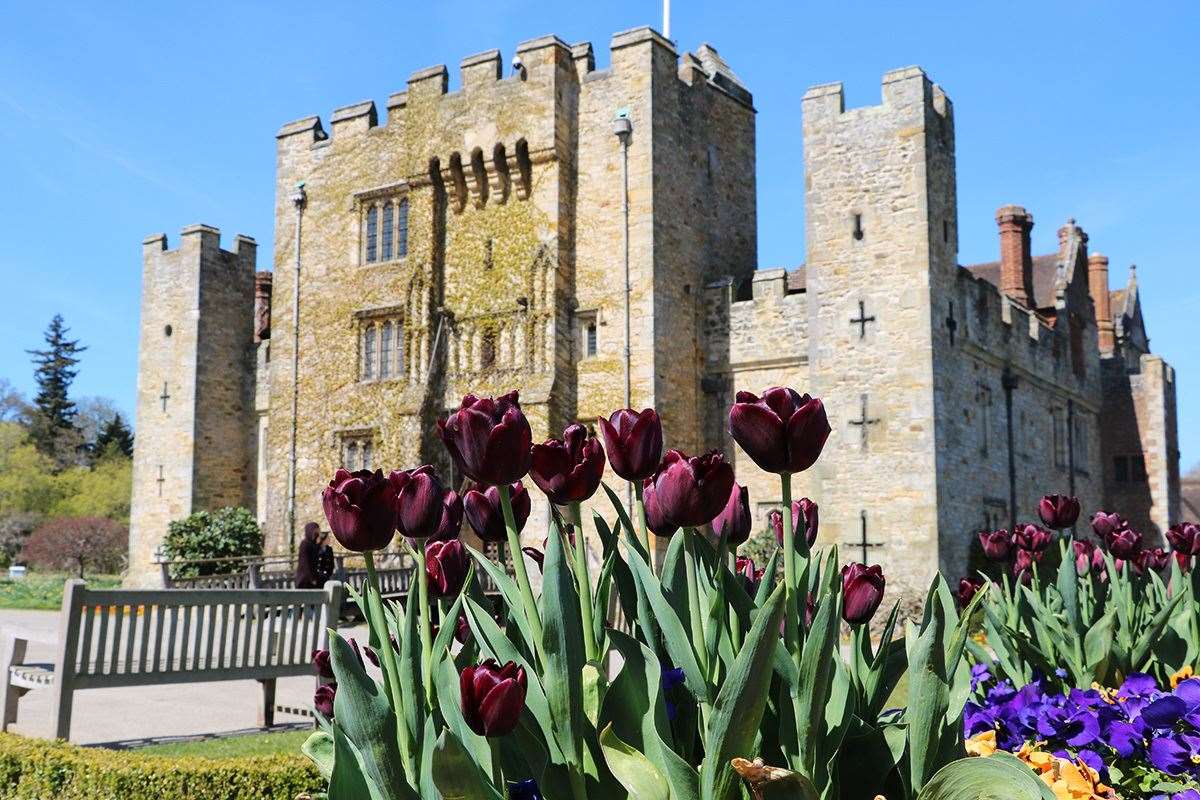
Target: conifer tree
<point>53,425</point>
<point>114,437</point>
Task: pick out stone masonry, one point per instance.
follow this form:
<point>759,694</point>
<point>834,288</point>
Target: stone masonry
<point>472,241</point>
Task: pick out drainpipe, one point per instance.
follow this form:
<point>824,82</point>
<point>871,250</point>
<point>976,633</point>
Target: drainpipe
<point>299,198</point>
<point>623,129</point>
<point>1071,446</point>
<point>1009,381</point>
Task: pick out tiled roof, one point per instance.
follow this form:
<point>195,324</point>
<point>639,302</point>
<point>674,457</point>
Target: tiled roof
<point>1045,276</point>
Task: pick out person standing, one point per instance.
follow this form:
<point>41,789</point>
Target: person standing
<point>314,562</point>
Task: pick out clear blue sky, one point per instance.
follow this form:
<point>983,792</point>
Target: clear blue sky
<point>122,119</point>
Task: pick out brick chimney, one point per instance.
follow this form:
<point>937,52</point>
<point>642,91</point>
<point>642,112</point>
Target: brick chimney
<point>1098,289</point>
<point>1016,260</point>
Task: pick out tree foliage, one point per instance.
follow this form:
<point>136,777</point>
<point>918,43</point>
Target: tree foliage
<point>52,426</point>
<point>78,542</point>
<point>225,533</point>
<point>114,437</point>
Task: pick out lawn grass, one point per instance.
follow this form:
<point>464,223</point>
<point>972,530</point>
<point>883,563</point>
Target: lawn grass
<point>43,590</point>
<point>252,744</point>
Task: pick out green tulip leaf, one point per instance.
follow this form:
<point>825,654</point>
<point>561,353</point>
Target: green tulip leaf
<point>456,775</point>
<point>562,644</point>
<point>632,769</point>
<point>985,779</point>
<point>349,777</point>
<point>319,748</point>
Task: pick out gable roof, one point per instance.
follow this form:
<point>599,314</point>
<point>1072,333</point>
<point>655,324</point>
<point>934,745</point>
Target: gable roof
<point>1045,278</point>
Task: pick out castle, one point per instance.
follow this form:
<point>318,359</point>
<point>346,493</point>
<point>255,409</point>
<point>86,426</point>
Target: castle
<point>509,233</point>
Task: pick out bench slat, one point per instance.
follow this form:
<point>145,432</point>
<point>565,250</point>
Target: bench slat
<point>101,636</point>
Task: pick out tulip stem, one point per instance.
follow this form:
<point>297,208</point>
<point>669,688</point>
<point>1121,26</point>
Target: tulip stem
<point>426,625</point>
<point>791,629</point>
<point>640,502</point>
<point>514,544</point>
<point>693,590</point>
<point>584,584</point>
<point>391,675</point>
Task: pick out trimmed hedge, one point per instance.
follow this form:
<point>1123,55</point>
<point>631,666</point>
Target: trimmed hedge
<point>35,769</point>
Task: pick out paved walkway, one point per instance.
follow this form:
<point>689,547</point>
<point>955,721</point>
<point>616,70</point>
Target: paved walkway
<point>145,712</point>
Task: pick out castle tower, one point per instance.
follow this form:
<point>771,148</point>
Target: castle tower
<point>881,232</point>
<point>195,419</point>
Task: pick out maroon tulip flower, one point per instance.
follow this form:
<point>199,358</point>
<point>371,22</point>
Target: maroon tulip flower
<point>493,697</point>
<point>323,699</point>
<point>462,629</point>
<point>656,520</point>
<point>997,545</point>
<point>810,610</point>
<point>446,565</point>
<point>1184,560</point>
<point>489,439</point>
<point>536,556</point>
<point>450,525</point>
<point>782,431</point>
<point>634,442</point>
<point>1185,538</point>
<point>322,664</point>
<point>420,500</point>
<point>1058,511</point>
<point>568,470</point>
<point>691,490</point>
<point>751,576</point>
<point>1104,523</point>
<point>1027,536</point>
<point>803,511</point>
<point>967,589</point>
<point>862,592</point>
<point>1155,559</point>
<point>734,522</point>
<point>486,516</point>
<point>1123,543</point>
<point>361,509</point>
<point>1088,557</point>
<point>1023,563</point>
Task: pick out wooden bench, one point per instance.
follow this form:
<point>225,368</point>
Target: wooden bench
<point>131,637</point>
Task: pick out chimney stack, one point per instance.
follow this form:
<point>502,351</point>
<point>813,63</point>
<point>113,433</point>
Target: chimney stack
<point>1098,289</point>
<point>1016,260</point>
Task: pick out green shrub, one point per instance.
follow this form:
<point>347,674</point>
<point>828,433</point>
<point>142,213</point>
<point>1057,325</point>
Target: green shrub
<point>224,533</point>
<point>33,769</point>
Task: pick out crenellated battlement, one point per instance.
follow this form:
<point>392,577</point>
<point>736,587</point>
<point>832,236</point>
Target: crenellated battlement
<point>204,238</point>
<point>905,91</point>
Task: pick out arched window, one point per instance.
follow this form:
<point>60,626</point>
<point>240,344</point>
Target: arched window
<point>402,234</point>
<point>372,230</point>
<point>368,356</point>
<point>385,351</point>
<point>387,231</point>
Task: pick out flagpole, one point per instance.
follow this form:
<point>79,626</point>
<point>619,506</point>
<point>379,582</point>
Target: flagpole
<point>667,19</point>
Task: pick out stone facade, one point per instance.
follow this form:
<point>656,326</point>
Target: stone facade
<point>473,241</point>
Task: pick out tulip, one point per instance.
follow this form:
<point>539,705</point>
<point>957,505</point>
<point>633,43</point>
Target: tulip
<point>634,442</point>
<point>750,575</point>
<point>568,470</point>
<point>489,439</point>
<point>782,432</point>
<point>1123,542</point>
<point>1155,559</point>
<point>493,697</point>
<point>734,522</point>
<point>419,501</point>
<point>967,589</point>
<point>361,509</point>
<point>656,521</point>
<point>322,664</point>
<point>1185,538</point>
<point>1104,523</point>
<point>810,610</point>
<point>862,592</point>
<point>691,490</point>
<point>323,699</point>
<point>485,515</point>
<point>536,556</point>
<point>446,565</point>
<point>1058,511</point>
<point>800,508</point>
<point>1088,557</point>
<point>450,525</point>
<point>673,689</point>
<point>1027,536</point>
<point>996,545</point>
<point>1023,563</point>
<point>1184,560</point>
<point>462,629</point>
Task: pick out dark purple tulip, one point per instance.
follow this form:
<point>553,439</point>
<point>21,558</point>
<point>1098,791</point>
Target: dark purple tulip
<point>751,576</point>
<point>485,515</point>
<point>1088,557</point>
<point>656,521</point>
<point>450,524</point>
<point>803,510</point>
<point>361,509</point>
<point>536,556</point>
<point>691,491</point>
<point>323,699</point>
<point>446,565</point>
<point>568,470</point>
<point>634,442</point>
<point>322,664</point>
<point>1185,538</point>
<point>462,629</point>
<point>1023,563</point>
<point>862,592</point>
<point>734,522</point>
<point>967,589</point>
<point>1185,561</point>
<point>1027,536</point>
<point>996,545</point>
<point>782,432</point>
<point>489,439</point>
<point>419,501</point>
<point>1155,559</point>
<point>1058,511</point>
<point>810,610</point>
<point>1123,543</point>
<point>493,697</point>
<point>1104,523</point>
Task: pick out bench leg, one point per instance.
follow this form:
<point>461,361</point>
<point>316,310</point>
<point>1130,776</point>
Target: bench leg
<point>12,695</point>
<point>266,715</point>
<point>62,709</point>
